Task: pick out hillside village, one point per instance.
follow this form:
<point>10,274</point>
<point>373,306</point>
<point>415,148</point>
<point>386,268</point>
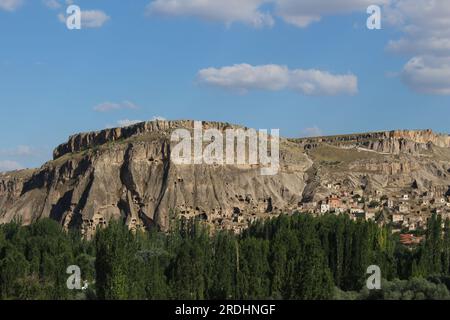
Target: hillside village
<point>406,212</point>
<point>395,178</point>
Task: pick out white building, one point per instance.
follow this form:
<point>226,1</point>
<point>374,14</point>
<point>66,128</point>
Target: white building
<point>396,218</point>
<point>390,203</point>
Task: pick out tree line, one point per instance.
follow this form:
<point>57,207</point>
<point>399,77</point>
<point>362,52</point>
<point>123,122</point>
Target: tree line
<point>286,257</point>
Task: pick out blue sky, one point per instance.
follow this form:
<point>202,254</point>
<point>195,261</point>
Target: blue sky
<point>269,64</point>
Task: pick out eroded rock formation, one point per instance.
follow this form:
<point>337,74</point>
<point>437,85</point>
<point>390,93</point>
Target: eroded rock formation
<point>128,174</point>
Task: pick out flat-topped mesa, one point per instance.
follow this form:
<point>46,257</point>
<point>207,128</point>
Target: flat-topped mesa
<point>83,141</point>
<point>134,180</point>
<point>394,141</point>
<point>422,136</point>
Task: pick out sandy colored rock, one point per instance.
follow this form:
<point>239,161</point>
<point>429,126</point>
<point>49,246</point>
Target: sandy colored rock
<point>127,174</point>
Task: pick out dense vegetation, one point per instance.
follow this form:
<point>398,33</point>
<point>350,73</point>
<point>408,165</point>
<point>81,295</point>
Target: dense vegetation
<point>288,257</point>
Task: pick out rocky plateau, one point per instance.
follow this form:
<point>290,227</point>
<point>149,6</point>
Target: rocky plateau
<point>128,174</point>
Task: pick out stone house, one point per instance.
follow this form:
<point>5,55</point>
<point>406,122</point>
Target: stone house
<point>403,208</point>
<point>397,218</point>
<point>369,215</point>
<point>334,202</point>
<point>356,211</point>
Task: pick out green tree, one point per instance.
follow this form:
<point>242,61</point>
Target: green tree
<point>115,252</point>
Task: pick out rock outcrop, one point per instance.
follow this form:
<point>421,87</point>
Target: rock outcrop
<point>397,141</point>
<point>128,174</point>
<point>83,141</point>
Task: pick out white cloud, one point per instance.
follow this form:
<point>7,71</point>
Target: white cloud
<point>425,45</point>
<point>127,122</point>
<point>89,18</point>
<point>303,13</point>
<point>112,106</point>
<point>316,82</point>
<point>93,18</point>
<point>52,4</point>
<point>158,118</point>
<point>428,75</point>
<point>10,5</point>
<point>425,25</point>
<point>226,11</point>
<point>7,165</point>
<point>298,12</point>
<point>19,151</point>
<point>244,77</point>
<point>312,132</point>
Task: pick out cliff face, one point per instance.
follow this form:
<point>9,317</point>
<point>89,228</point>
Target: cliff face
<point>83,141</point>
<point>128,173</point>
<point>396,142</point>
<point>11,186</point>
